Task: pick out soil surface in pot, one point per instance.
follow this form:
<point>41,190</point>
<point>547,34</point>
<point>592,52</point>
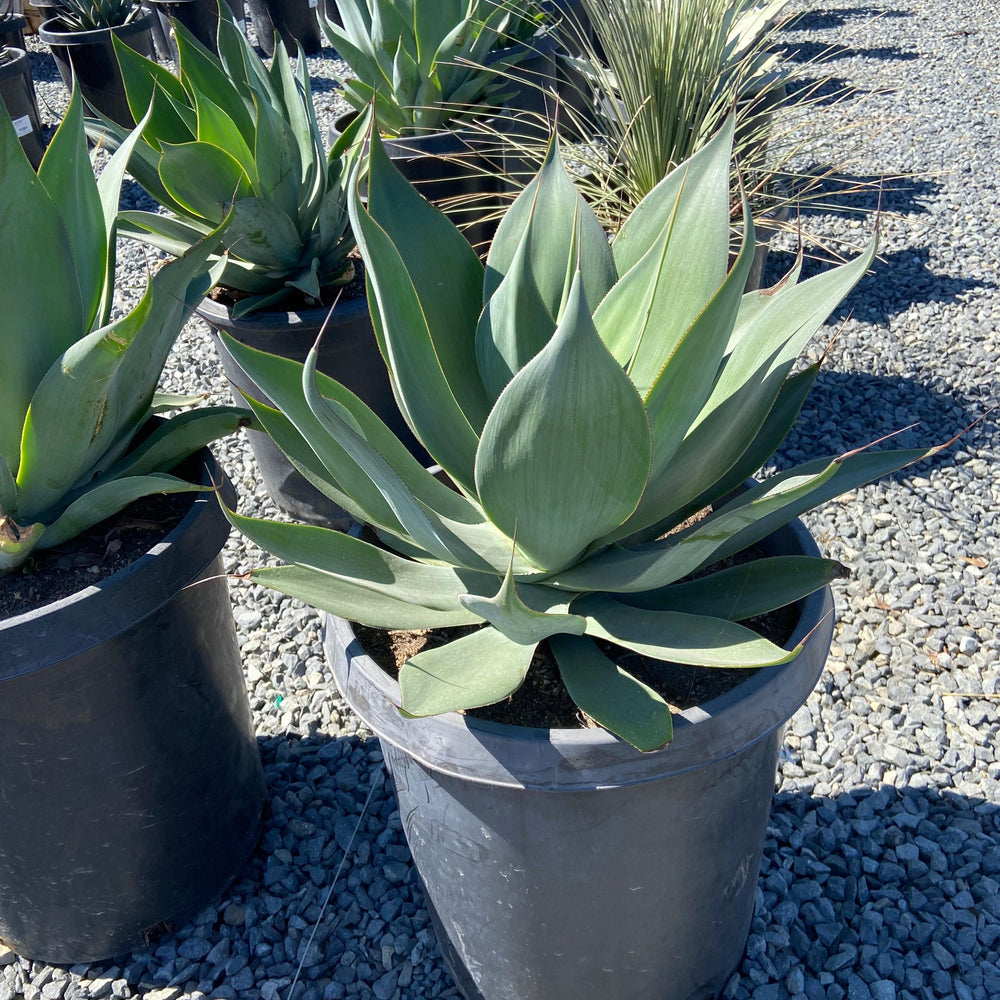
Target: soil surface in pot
<point>543,702</point>
<point>94,555</point>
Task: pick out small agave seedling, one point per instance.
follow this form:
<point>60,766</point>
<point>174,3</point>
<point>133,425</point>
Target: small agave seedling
<point>586,399</point>
<point>230,133</point>
<point>77,387</point>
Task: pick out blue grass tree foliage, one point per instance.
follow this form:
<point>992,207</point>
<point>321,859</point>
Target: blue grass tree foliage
<point>586,398</point>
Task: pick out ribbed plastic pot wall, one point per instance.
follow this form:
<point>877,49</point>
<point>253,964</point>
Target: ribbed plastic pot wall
<point>564,864</point>
<point>130,777</point>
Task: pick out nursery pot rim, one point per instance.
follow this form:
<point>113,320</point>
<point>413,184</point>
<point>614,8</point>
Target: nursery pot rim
<point>62,34</point>
<point>192,538</point>
<point>214,312</point>
<point>574,759</point>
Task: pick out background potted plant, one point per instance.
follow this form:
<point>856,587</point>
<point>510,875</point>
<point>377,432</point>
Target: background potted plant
<point>129,771</point>
<point>80,36</point>
<point>598,408</point>
<point>227,132</point>
<point>431,71</point>
<point>12,24</point>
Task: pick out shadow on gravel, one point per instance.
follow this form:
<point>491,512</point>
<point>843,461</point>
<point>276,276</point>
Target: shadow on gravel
<point>258,931</point>
<point>824,52</point>
<point>851,195</point>
<point>847,410</point>
<point>824,92</point>
<point>838,17</point>
<point>891,884</point>
<point>899,279</point>
<point>867,882</point>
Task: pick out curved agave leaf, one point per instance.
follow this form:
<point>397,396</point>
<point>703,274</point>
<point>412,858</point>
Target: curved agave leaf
<point>354,562</point>
<point>217,129</point>
<point>37,325</point>
<point>747,387</point>
<point>553,215</point>
<point>200,73</point>
<point>705,263</point>
<point>611,696</point>
<point>143,79</point>
<point>743,591</point>
<point>663,292</point>
<point>104,382</point>
<point>676,637</point>
<point>514,326</point>
<point>773,431</point>
<point>684,381</point>
<point>749,518</point>
<point>478,669</point>
<point>105,500</point>
<point>177,438</point>
<point>261,233</point>
<point>203,179</point>
<point>414,326</point>
<point>68,176</point>
<point>565,454</point>
<point>508,614</point>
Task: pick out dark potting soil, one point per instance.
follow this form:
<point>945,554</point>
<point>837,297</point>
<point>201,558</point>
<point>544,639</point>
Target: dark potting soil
<point>93,556</point>
<point>542,701</point>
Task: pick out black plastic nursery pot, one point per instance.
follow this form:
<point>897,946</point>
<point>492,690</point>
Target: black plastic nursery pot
<point>455,169</point>
<point>91,55</point>
<point>200,17</point>
<point>12,30</point>
<point>18,96</point>
<point>348,352</point>
<point>294,20</point>
<point>130,777</point>
<point>566,865</point>
<point>529,85</point>
<point>575,36</point>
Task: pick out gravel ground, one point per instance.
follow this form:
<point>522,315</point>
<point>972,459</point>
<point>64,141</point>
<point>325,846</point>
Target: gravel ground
<point>881,870</point>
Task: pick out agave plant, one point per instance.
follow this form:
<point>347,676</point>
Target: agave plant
<point>422,62</point>
<point>76,387</point>
<point>586,399</point>
<point>89,15</point>
<point>227,135</point>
